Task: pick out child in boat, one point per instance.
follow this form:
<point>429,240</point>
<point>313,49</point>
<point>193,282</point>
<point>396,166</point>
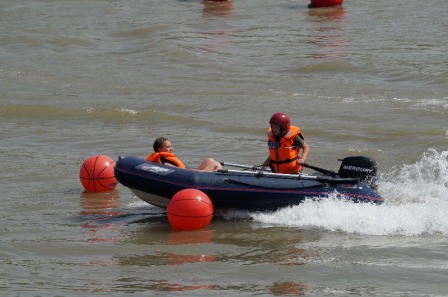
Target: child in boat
<point>286,143</point>
<point>163,154</point>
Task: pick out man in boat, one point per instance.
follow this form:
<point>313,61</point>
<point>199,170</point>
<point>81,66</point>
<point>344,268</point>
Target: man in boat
<point>287,147</point>
<point>163,154</point>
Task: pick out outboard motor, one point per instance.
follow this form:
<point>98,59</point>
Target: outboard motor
<point>360,167</point>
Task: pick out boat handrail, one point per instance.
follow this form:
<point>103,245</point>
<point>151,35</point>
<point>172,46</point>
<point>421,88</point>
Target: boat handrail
<point>292,176</point>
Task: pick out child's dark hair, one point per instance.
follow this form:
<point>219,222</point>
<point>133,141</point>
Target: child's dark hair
<point>158,143</point>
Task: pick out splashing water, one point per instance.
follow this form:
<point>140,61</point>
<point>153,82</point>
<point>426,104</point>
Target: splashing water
<point>416,203</point>
<point>422,182</point>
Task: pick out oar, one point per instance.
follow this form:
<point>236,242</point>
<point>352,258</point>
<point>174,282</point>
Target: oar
<point>259,167</point>
<point>293,176</point>
<point>321,170</point>
<point>251,167</point>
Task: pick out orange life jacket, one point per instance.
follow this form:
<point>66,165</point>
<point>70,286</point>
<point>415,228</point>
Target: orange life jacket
<point>283,153</point>
<point>164,157</point>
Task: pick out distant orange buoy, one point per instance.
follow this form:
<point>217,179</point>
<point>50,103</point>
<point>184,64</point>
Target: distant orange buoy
<point>189,209</point>
<point>325,3</point>
<point>97,174</point>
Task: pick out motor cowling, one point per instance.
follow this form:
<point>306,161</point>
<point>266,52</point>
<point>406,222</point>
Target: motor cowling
<point>361,167</point>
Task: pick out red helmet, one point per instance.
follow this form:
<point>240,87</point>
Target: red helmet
<point>281,119</point>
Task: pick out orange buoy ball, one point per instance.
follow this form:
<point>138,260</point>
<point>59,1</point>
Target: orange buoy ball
<point>97,174</point>
<point>189,209</point>
<point>325,3</point>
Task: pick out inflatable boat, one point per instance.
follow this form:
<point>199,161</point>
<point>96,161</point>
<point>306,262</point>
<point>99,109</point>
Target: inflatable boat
<point>250,187</point>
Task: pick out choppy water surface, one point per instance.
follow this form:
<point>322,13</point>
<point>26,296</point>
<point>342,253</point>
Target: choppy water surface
<point>80,78</point>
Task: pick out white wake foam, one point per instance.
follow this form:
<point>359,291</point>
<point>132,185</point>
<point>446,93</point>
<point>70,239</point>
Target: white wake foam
<point>416,203</point>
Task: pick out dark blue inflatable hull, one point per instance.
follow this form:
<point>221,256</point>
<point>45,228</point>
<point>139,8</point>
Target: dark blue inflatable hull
<point>157,183</point>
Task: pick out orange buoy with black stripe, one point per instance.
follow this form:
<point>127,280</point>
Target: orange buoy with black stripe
<point>97,174</point>
<point>189,209</point>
